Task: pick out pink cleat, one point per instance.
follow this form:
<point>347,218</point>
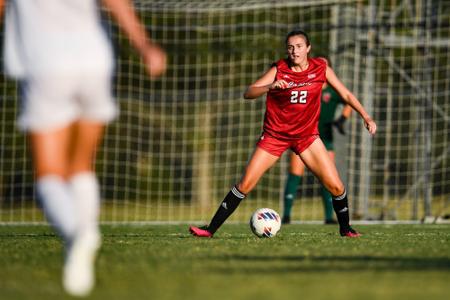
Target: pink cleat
<point>350,232</point>
<point>200,231</point>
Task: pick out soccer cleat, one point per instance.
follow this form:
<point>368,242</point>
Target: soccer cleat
<point>78,274</point>
<point>350,232</point>
<point>200,231</point>
<point>286,220</point>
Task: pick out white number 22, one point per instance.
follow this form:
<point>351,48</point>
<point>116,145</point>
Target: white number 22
<point>296,99</point>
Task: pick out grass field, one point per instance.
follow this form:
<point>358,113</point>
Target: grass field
<point>305,209</point>
<point>302,262</point>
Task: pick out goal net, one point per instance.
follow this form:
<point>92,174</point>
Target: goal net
<point>182,141</point>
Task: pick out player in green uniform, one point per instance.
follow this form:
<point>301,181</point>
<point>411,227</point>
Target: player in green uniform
<point>329,103</point>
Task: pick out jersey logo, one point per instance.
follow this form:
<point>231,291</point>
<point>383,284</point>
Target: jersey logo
<point>311,76</point>
<point>326,97</point>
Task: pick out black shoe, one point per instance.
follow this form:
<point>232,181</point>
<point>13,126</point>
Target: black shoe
<point>286,220</point>
<point>330,221</point>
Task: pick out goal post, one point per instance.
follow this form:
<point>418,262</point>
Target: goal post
<point>182,141</point>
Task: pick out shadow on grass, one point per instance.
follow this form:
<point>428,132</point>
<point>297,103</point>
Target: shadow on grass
<point>299,263</point>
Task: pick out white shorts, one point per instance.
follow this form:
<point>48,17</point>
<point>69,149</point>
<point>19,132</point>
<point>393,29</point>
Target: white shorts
<point>52,102</point>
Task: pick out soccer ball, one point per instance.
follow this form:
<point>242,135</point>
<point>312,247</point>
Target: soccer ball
<point>265,222</point>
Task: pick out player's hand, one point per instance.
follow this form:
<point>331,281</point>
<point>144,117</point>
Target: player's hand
<point>370,126</point>
<point>279,84</point>
<point>339,124</point>
<point>155,60</point>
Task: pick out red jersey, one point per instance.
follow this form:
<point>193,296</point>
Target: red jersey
<point>293,113</point>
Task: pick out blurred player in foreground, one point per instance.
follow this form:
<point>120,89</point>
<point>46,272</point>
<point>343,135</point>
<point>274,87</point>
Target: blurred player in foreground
<point>63,60</point>
<point>294,88</point>
<point>330,100</point>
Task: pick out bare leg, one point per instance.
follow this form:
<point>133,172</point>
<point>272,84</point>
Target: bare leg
<point>319,162</point>
<point>86,137</point>
<point>317,159</point>
<point>82,179</point>
<point>66,151</point>
<point>296,165</point>
<point>79,267</point>
<point>49,153</point>
<point>259,163</point>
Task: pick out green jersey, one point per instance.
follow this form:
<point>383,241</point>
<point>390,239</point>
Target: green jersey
<point>328,105</point>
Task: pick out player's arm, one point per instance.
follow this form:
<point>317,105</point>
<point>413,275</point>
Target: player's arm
<point>351,100</point>
<point>264,84</point>
<point>153,56</point>
<point>347,111</point>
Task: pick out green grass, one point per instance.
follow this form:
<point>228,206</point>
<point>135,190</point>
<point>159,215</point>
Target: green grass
<point>302,262</point>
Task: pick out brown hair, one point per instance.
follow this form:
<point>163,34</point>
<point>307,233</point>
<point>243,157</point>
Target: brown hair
<point>297,32</point>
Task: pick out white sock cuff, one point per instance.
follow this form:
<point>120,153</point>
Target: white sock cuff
<point>57,203</point>
<point>237,193</point>
<point>44,181</point>
<point>84,180</point>
<point>86,194</point>
<point>341,197</point>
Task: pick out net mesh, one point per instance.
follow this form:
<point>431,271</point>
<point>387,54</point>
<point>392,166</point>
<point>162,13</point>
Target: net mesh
<point>183,140</point>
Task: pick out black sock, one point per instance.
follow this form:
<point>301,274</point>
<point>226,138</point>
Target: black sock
<point>340,205</point>
<point>226,208</point>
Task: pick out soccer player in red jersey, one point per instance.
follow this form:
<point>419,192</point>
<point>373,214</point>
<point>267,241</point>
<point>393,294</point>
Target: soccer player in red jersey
<point>294,87</point>
<point>330,101</point>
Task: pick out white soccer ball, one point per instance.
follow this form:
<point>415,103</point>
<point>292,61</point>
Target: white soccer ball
<point>265,222</point>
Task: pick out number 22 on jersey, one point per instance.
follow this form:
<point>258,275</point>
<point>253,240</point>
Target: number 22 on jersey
<point>299,97</point>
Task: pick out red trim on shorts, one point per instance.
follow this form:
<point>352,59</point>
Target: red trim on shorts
<point>277,146</point>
